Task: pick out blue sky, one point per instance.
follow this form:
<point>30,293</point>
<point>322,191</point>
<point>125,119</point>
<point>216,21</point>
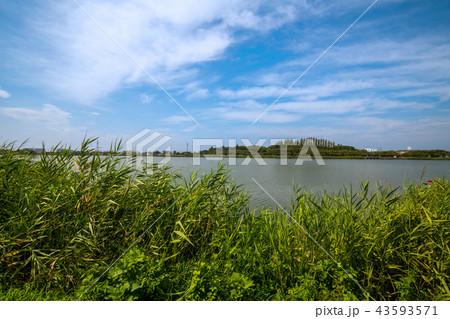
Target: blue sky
<point>385,83</point>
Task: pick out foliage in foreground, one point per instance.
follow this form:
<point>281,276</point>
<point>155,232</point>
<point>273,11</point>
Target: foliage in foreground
<point>66,217</point>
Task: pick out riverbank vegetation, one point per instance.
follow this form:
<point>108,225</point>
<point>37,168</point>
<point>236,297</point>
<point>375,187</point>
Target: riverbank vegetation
<point>289,148</point>
<point>329,150</point>
<point>66,218</point>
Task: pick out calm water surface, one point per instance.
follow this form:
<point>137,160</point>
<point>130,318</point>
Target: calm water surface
<point>279,180</point>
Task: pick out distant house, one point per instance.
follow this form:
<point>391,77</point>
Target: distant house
<point>404,151</point>
<point>371,149</point>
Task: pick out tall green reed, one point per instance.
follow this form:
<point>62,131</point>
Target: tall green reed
<point>68,215</point>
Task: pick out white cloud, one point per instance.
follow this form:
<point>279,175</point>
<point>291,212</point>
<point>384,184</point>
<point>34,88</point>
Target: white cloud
<point>390,51</point>
<point>371,123</point>
<point>322,107</point>
<point>445,98</point>
<point>190,128</point>
<point>360,78</point>
<point>194,90</point>
<point>441,92</point>
<point>310,92</point>
<point>49,115</point>
<point>248,111</point>
<point>251,92</point>
<point>287,112</point>
<point>361,130</point>
<point>4,94</point>
<point>176,119</point>
<point>427,56</point>
<point>198,94</point>
<point>146,99</point>
<point>82,63</point>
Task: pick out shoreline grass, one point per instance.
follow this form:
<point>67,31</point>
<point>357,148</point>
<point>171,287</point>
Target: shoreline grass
<point>65,218</point>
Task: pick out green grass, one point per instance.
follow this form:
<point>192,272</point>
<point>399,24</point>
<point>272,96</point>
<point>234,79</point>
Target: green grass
<point>65,218</point>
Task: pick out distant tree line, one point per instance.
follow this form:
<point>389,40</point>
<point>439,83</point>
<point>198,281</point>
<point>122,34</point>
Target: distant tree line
<point>327,149</point>
<point>30,151</point>
<point>292,147</point>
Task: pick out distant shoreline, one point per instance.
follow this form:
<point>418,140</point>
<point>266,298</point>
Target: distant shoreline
<point>324,157</point>
<point>212,156</point>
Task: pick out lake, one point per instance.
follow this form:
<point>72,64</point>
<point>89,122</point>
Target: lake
<point>279,180</point>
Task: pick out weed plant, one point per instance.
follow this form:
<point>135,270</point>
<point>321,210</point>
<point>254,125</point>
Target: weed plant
<point>67,216</point>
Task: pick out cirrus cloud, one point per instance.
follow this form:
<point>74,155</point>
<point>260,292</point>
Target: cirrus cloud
<point>166,37</point>
<point>4,94</point>
<point>49,115</point>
